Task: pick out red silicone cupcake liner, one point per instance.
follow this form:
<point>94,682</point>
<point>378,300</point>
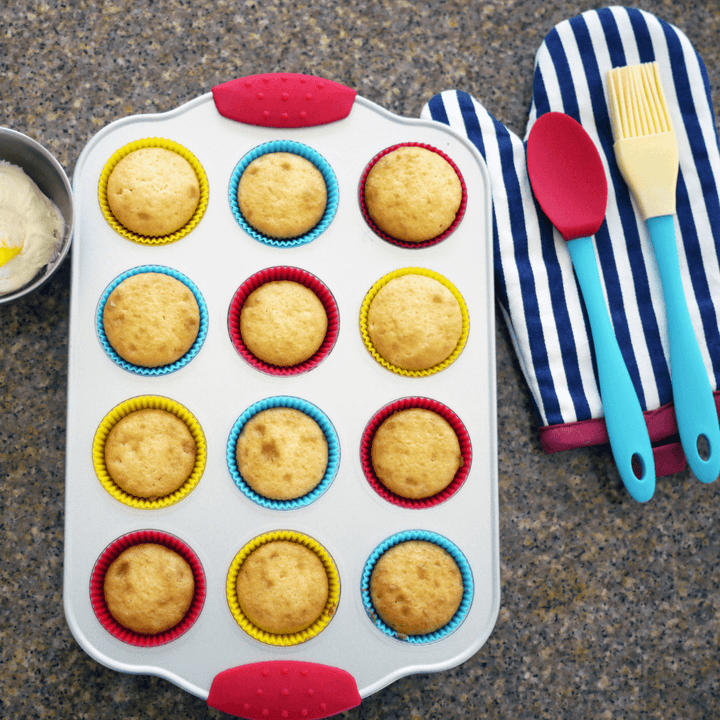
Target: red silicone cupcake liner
<point>97,594</point>
<point>309,281</point>
<point>405,404</point>
<point>402,243</point>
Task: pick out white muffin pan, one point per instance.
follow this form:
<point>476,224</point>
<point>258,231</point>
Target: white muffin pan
<point>216,520</point>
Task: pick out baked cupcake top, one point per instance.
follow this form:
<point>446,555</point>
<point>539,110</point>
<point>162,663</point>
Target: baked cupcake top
<point>283,323</point>
<point>282,453</point>
<point>282,587</point>
<point>415,453</point>
<point>413,194</point>
<point>416,587</point>
<point>150,453</point>
<point>149,588</point>
<point>151,319</point>
<point>282,195</point>
<point>153,191</point>
<point>414,322</point>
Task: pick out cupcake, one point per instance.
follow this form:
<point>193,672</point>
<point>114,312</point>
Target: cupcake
<point>147,588</point>
<point>412,194</point>
<point>414,321</point>
<point>283,193</point>
<point>283,588</point>
<point>417,586</point>
<point>283,453</point>
<point>283,321</point>
<point>415,453</point>
<point>152,320</point>
<point>149,452</point>
<point>153,191</point>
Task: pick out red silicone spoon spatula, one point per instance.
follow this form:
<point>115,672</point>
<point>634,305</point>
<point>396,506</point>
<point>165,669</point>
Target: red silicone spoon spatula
<point>568,179</point>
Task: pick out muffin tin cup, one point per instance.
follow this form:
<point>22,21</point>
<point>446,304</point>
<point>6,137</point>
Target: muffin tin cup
<point>370,296</point>
<point>407,404</point>
<point>166,144</point>
<point>305,152</point>
<point>403,243</point>
<point>291,638</point>
<point>97,593</point>
<point>161,369</point>
<point>333,452</point>
<point>465,572</point>
<point>299,276</point>
<point>121,411</point>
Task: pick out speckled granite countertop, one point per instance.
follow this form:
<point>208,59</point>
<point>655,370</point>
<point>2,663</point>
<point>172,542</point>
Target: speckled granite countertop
<point>609,609</point>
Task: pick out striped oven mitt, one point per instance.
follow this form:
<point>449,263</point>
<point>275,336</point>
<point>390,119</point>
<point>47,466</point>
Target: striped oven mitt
<point>535,284</point>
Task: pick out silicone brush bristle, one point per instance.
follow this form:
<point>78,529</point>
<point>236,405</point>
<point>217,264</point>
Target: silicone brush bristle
<point>645,145</point>
<point>638,102</point>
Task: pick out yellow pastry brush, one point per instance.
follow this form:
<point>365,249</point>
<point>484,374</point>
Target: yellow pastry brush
<point>647,155</point>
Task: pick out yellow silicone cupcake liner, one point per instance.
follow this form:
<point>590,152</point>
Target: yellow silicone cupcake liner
<point>167,145</point>
<point>121,411</point>
<point>366,335</point>
<point>291,638</point>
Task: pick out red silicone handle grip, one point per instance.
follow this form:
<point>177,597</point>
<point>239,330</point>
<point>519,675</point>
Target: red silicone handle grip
<point>283,100</point>
<point>283,690</point>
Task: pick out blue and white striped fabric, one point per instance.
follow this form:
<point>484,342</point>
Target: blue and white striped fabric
<point>535,284</point>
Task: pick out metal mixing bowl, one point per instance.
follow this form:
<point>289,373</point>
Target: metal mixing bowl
<point>40,165</point>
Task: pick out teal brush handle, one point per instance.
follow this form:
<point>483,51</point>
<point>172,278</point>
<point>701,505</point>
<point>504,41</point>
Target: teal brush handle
<point>624,418</point>
<point>693,397</point>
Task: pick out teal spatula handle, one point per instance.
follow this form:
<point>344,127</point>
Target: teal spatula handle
<point>624,418</point>
<point>692,395</point>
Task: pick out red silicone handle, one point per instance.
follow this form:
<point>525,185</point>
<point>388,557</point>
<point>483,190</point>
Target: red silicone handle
<point>283,690</point>
<point>283,100</point>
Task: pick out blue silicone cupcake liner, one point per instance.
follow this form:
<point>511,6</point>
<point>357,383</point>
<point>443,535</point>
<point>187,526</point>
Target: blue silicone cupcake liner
<point>162,369</point>
<point>457,556</point>
<point>305,152</point>
<point>330,435</point>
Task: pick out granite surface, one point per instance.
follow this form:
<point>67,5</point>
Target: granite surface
<point>609,609</point>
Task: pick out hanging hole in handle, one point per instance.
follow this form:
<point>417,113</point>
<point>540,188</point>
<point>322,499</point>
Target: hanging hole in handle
<point>638,466</point>
<point>703,447</point>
